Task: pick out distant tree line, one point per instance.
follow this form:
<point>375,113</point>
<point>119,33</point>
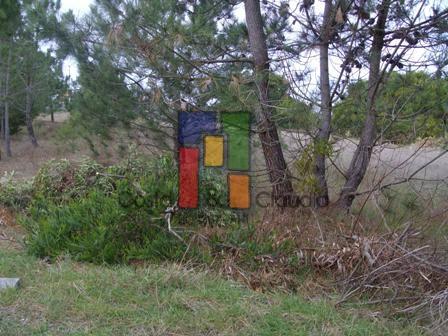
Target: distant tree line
<point>411,105</point>
<point>31,79</point>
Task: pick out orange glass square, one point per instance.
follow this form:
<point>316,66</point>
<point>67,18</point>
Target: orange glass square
<point>239,191</point>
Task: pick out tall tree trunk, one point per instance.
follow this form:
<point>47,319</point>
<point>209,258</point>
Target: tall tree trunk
<point>6,104</point>
<point>363,153</point>
<point>275,162</point>
<point>323,136</point>
<point>28,108</point>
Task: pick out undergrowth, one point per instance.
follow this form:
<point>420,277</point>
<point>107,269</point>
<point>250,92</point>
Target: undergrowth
<point>116,214</point>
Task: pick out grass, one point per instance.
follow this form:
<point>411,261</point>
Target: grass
<point>69,298</point>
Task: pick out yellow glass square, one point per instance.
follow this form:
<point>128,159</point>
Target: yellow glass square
<point>213,151</point>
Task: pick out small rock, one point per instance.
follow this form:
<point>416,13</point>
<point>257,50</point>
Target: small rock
<point>9,283</point>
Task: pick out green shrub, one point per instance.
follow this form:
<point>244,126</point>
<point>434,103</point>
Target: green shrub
<point>96,228</point>
<point>115,214</point>
<point>401,204</point>
<point>305,164</point>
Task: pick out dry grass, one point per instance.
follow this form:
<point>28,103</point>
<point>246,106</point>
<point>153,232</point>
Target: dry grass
<point>317,253</point>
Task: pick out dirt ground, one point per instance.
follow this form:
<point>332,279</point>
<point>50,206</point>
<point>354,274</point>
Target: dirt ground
<point>26,159</point>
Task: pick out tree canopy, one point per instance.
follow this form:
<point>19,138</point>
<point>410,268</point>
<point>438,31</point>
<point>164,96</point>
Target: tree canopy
<point>412,105</point>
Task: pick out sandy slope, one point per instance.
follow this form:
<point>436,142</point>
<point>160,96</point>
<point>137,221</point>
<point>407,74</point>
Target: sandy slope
<point>398,161</point>
<point>390,163</point>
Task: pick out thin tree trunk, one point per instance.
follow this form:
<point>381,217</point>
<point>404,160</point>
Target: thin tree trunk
<point>6,104</point>
<point>275,162</point>
<point>323,136</point>
<point>363,153</point>
<point>28,107</point>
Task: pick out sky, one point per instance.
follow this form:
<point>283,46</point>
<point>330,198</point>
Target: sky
<point>79,7</point>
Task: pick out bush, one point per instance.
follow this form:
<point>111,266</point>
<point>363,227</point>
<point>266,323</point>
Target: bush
<point>115,214</point>
<point>401,204</point>
<point>96,228</point>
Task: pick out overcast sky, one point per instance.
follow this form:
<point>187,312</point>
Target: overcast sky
<point>79,7</point>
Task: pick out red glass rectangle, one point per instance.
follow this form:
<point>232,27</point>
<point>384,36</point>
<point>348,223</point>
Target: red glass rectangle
<point>188,177</point>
